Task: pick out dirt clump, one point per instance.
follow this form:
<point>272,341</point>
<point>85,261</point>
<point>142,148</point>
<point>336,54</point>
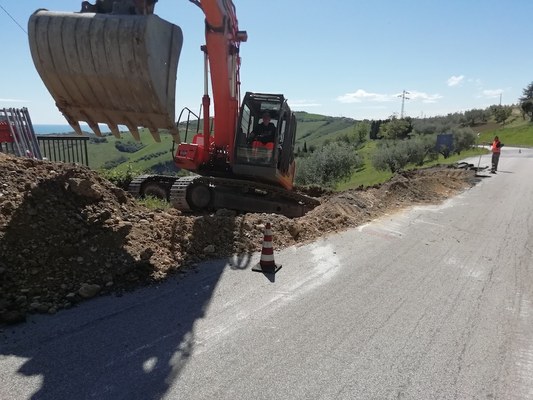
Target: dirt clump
<point>67,235</point>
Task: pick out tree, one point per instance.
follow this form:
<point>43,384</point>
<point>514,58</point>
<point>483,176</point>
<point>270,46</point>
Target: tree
<point>526,101</point>
<point>474,116</point>
<point>361,130</point>
<point>463,139</point>
<point>501,113</point>
<point>396,129</point>
<point>527,93</point>
<point>527,109</point>
<point>328,165</point>
<point>374,130</point>
<point>392,155</point>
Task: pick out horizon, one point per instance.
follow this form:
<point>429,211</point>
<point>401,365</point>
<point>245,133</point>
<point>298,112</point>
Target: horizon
<point>443,61</point>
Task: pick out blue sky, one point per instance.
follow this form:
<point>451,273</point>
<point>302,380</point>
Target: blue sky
<point>346,58</point>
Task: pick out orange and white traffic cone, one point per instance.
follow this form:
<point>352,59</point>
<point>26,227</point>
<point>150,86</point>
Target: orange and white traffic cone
<point>267,264</point>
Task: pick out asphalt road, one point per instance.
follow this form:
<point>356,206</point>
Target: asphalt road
<point>431,303</point>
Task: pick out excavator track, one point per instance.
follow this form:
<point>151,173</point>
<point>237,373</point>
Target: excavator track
<point>152,185</point>
<point>199,193</point>
<point>134,188</point>
<point>178,193</point>
<point>294,196</point>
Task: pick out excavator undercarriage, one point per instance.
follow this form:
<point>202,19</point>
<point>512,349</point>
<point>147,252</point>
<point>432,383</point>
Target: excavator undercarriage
<point>199,193</point>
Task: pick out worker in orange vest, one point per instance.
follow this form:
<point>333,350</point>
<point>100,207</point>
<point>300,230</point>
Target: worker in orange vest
<point>495,148</point>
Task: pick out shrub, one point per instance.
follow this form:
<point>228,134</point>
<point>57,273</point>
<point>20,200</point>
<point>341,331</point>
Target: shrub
<point>328,165</point>
<point>128,147</point>
<point>121,179</point>
<point>115,162</point>
<point>391,155</point>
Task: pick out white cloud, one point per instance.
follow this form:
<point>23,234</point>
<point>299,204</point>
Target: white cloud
<point>361,95</point>
<point>492,93</point>
<point>455,80</point>
<point>424,97</point>
<point>13,101</point>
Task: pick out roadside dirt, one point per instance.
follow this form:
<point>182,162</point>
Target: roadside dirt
<point>67,235</point>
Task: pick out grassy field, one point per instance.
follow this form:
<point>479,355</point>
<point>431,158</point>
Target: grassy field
<point>152,153</point>
<point>368,175</point>
<point>515,132</point>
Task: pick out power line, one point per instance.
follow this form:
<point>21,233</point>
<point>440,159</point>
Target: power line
<point>14,20</point>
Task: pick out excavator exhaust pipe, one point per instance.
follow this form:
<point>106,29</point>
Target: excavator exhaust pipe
<point>110,69</point>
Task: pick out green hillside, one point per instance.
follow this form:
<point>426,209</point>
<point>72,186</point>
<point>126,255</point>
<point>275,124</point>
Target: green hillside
<point>106,154</point>
<point>313,130</point>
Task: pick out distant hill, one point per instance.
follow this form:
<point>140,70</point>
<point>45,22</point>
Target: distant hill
<point>312,130</point>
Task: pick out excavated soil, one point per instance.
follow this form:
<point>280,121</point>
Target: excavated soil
<point>67,235</point>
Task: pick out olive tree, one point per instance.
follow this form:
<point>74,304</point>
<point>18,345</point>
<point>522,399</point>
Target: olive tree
<point>328,165</point>
<point>391,155</point>
<point>526,102</point>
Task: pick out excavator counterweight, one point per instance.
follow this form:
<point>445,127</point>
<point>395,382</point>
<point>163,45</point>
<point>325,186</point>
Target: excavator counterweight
<point>107,68</point>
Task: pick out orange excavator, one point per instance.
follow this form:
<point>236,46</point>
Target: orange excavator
<point>115,62</point>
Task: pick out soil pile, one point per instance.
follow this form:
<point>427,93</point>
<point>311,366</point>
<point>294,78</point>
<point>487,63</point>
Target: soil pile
<point>67,235</point>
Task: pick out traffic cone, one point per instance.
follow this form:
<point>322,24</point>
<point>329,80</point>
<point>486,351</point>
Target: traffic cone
<point>267,264</point>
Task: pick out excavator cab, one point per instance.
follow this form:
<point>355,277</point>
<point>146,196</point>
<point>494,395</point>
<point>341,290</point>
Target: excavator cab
<point>271,161</point>
<point>110,63</point>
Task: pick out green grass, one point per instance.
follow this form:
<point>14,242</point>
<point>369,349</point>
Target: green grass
<point>521,135</point>
<point>314,129</point>
<point>516,132</point>
<point>368,175</point>
<point>154,203</point>
<point>101,153</point>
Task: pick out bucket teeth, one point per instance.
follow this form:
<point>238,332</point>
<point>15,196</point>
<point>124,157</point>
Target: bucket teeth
<point>134,132</point>
<point>95,128</point>
<point>155,134</point>
<point>76,126</point>
<point>114,130</point>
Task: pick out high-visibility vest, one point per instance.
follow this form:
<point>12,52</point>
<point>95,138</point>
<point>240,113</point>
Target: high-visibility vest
<point>495,148</point>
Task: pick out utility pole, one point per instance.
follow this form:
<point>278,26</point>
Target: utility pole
<point>404,97</point>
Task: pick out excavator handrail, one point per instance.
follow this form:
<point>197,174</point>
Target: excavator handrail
<point>188,120</point>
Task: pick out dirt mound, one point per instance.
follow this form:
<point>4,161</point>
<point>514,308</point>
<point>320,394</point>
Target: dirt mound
<point>67,235</point>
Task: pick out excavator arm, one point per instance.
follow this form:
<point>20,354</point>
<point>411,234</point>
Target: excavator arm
<point>221,69</point>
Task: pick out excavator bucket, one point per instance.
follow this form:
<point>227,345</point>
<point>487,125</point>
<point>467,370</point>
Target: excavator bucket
<point>110,69</point>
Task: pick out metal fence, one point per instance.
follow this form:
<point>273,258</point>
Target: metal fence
<point>17,137</point>
<point>64,148</point>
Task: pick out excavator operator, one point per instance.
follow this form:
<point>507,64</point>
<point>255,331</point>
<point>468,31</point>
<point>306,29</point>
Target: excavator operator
<point>265,132</point>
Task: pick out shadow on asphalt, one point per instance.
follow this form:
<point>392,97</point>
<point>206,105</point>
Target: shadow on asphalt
<point>129,347</point>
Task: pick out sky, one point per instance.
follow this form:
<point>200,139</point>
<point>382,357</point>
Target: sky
<point>342,58</point>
